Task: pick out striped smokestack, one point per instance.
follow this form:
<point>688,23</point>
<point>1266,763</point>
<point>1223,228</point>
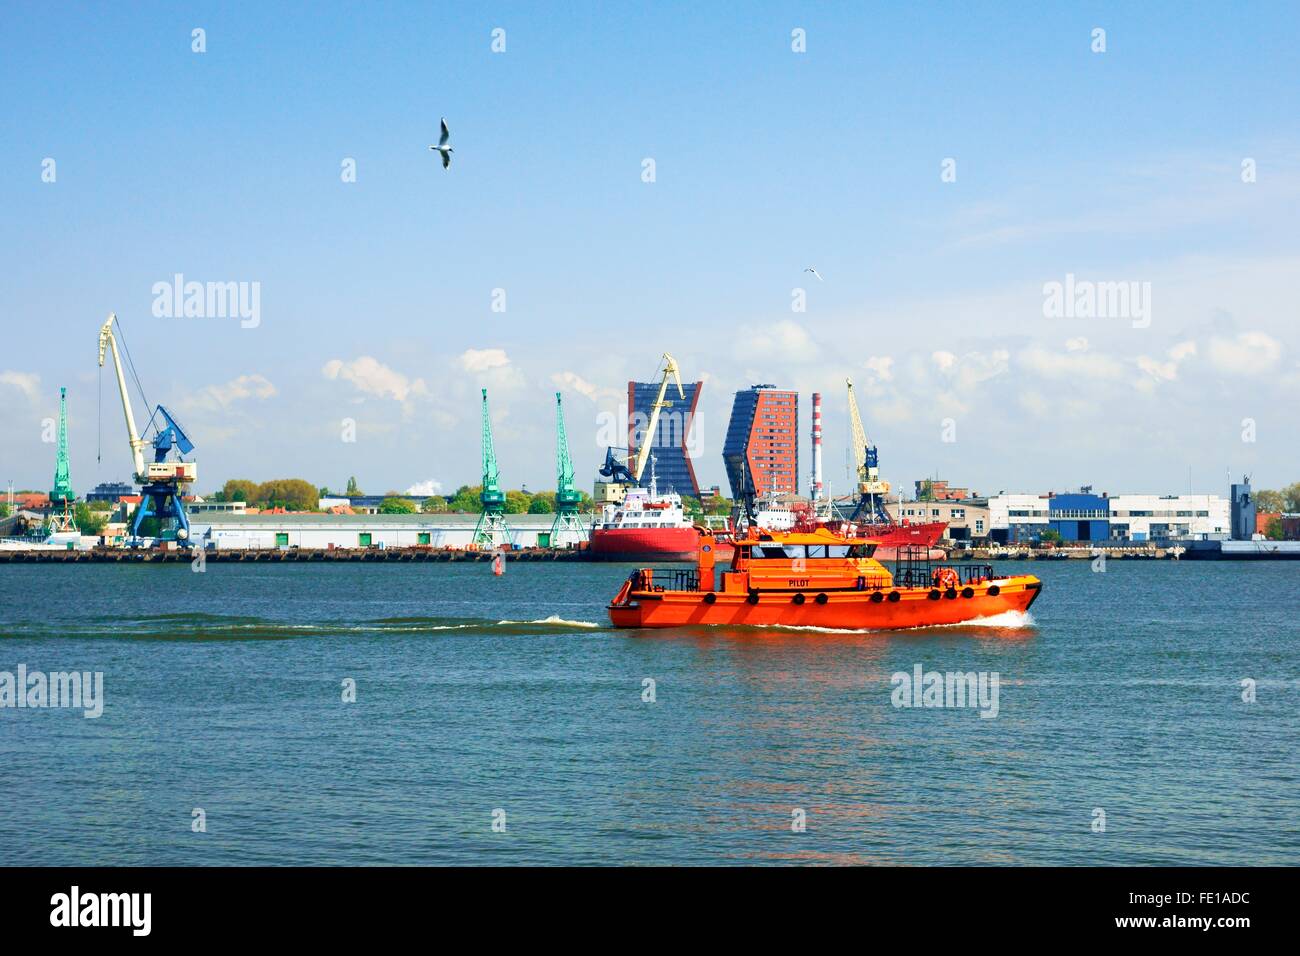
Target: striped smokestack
<point>817,446</point>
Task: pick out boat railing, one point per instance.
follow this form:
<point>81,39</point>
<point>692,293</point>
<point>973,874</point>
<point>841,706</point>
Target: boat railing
<point>923,574</point>
<point>650,579</point>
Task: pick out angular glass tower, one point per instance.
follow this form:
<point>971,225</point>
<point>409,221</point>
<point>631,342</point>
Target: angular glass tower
<point>763,441</point>
<point>673,468</point>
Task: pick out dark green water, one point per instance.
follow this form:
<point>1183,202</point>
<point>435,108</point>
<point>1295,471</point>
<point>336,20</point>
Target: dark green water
<point>222,691</point>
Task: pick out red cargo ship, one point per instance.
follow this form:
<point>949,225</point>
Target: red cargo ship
<point>648,526</point>
<point>645,526</point>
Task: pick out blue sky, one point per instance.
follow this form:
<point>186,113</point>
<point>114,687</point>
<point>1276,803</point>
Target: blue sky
<point>376,295</point>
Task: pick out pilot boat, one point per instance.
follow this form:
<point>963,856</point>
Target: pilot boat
<point>817,578</point>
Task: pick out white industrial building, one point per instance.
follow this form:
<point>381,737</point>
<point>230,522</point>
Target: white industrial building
<point>325,531</point>
<point>1008,510</point>
<point>1143,517</point>
<point>1114,517</point>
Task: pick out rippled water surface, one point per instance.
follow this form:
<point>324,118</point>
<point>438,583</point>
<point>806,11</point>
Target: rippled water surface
<point>1122,693</point>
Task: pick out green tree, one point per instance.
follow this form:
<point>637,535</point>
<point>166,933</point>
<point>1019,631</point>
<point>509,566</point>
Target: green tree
<point>291,494</point>
<point>149,527</point>
<point>1291,497</point>
<point>397,506</point>
<point>1052,535</point>
<point>517,502</point>
<point>1268,502</point>
<point>353,489</point>
<point>543,503</point>
<point>465,500</point>
<point>238,489</point>
<point>718,506</point>
<point>4,510</point>
<point>927,491</point>
<point>90,520</point>
<point>691,505</point>
<point>324,491</point>
<point>434,504</point>
<point>1274,531</point>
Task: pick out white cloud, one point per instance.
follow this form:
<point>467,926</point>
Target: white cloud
<point>1076,364</point>
<point>372,377</point>
<point>1250,353</point>
<point>972,368</point>
<point>944,360</point>
<point>483,360</point>
<point>425,488</point>
<point>28,383</point>
<point>576,383</point>
<point>1079,344</point>
<point>1034,403</point>
<point>238,389</point>
<point>1167,370</point>
<point>880,366</point>
<point>491,367</point>
<point>786,340</point>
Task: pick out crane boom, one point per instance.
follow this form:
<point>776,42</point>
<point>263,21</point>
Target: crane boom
<point>106,339</point>
<point>566,496</point>
<point>566,529</point>
<point>859,434</point>
<point>871,490</point>
<point>643,453</point>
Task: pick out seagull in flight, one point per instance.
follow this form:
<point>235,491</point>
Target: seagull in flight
<point>816,273</point>
<point>442,146</point>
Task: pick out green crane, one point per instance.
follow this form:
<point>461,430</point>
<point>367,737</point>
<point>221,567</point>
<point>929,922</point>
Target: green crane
<point>61,495</point>
<point>491,530</point>
<point>567,527</point>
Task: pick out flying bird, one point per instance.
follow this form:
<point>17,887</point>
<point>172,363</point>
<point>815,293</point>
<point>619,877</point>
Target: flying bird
<point>816,273</point>
<point>442,146</point>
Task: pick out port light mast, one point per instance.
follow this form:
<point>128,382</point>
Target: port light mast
<point>871,490</point>
<point>61,495</point>
<point>163,479</point>
<point>567,527</point>
<point>491,530</point>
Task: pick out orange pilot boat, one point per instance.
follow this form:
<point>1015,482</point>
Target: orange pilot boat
<point>817,579</point>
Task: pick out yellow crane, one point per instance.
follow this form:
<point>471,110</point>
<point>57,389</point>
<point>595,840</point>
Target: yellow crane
<point>871,490</point>
<point>647,438</point>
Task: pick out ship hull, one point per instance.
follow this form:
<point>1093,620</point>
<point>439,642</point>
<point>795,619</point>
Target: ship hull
<point>841,610</point>
<point>644,544</point>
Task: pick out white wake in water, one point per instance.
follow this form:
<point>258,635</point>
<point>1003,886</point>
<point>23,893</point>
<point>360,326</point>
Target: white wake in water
<point>1007,620</point>
<point>554,620</point>
<point>1011,620</point>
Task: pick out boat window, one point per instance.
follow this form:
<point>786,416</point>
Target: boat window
<point>817,551</point>
<point>861,550</point>
<point>778,551</point>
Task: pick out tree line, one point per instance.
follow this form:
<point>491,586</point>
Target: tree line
<point>297,494</point>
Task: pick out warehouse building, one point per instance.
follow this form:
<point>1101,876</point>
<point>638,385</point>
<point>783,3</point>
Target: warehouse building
<point>326,531</point>
<point>1094,518</point>
<point>968,520</point>
<point>1144,517</point>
